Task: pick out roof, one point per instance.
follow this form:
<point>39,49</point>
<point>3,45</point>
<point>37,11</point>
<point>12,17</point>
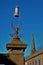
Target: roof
<point>34,55</point>
<point>16,44</point>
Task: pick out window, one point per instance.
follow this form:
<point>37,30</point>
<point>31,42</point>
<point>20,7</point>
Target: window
<point>28,63</point>
<point>35,62</point>
<point>32,63</point>
<point>39,62</point>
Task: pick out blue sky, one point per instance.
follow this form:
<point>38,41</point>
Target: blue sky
<point>31,12</point>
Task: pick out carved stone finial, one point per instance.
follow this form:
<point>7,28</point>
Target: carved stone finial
<point>16,30</point>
